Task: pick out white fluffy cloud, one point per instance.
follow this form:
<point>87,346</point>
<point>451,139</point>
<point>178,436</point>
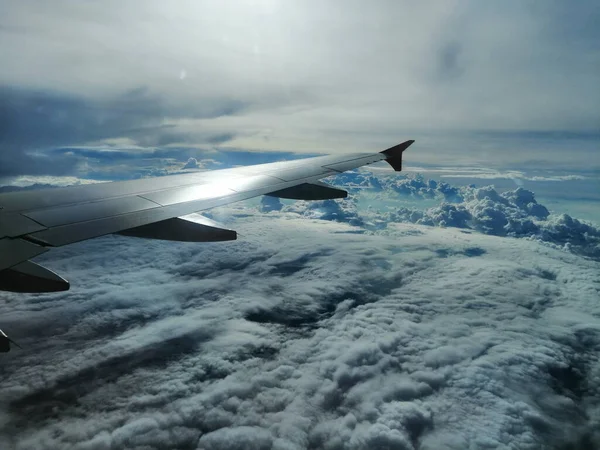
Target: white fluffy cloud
<point>191,163</point>
<point>339,211</point>
<point>514,213</point>
<point>307,335</point>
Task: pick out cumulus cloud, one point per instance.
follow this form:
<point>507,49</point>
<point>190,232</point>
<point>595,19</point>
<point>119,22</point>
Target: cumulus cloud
<point>194,163</point>
<point>513,213</point>
<point>340,211</point>
<point>191,163</point>
<point>420,188</point>
<point>332,340</point>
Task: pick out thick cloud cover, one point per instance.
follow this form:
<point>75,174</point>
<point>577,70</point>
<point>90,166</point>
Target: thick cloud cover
<point>302,76</point>
<point>514,213</point>
<point>305,334</point>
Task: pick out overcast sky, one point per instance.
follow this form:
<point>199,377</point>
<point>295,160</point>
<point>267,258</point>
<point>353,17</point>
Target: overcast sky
<point>301,76</point>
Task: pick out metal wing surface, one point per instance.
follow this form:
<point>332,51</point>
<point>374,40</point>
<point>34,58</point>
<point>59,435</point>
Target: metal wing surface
<point>33,222</point>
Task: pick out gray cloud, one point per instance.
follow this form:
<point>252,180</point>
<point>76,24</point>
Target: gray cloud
<point>449,60</point>
<point>33,121</point>
<point>319,78</point>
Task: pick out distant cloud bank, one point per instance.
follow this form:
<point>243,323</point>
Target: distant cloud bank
<point>513,213</point>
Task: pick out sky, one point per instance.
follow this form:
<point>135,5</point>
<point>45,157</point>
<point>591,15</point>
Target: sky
<point>492,84</point>
<point>451,306</point>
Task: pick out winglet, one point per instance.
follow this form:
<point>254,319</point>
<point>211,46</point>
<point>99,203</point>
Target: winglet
<point>393,155</point>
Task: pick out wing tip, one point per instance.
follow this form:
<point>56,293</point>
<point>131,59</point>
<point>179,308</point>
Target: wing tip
<point>398,149</point>
<point>394,154</point>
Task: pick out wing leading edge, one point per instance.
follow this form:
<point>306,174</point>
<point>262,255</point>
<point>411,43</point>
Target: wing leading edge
<point>32,222</point>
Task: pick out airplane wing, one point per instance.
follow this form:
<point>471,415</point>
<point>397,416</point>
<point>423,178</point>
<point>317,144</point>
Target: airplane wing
<point>33,222</point>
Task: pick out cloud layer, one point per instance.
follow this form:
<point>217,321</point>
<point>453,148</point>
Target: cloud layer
<point>302,76</point>
<point>513,213</point>
<point>305,334</point>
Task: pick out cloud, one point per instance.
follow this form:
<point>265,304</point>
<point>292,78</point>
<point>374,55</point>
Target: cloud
<point>172,76</point>
<point>191,163</point>
<point>113,162</point>
<point>477,173</point>
<point>268,204</point>
<point>34,121</point>
<point>513,213</point>
<point>419,188</point>
<point>333,340</point>
<point>340,211</point>
<point>514,176</point>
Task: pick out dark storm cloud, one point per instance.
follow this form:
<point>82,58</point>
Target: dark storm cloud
<point>32,121</point>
